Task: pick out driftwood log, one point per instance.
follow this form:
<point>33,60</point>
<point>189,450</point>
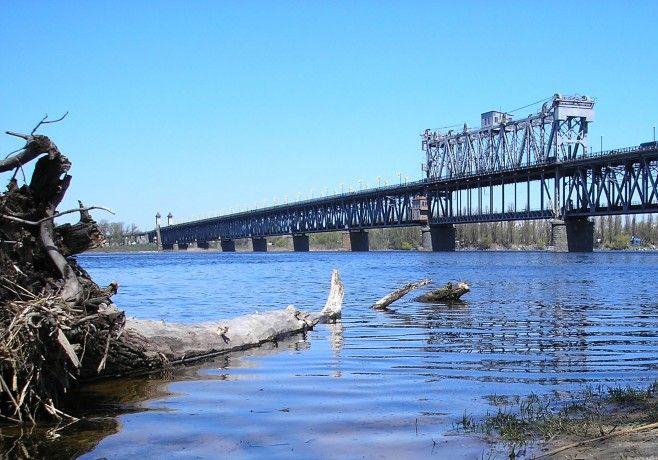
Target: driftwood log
<point>147,344</point>
<point>447,293</point>
<point>388,299</point>
<point>58,327</point>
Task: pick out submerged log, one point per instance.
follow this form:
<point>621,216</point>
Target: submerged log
<point>449,292</point>
<point>388,299</point>
<point>147,345</point>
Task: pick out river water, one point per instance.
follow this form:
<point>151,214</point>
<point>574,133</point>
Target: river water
<point>378,384</point>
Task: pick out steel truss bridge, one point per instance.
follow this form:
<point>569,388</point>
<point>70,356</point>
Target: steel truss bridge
<point>616,182</point>
<point>536,168</point>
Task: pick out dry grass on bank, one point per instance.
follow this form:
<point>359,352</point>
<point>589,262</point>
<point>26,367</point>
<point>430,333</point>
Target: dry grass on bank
<point>614,422</point>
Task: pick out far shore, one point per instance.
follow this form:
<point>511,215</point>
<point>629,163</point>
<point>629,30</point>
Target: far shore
<point>142,248</point>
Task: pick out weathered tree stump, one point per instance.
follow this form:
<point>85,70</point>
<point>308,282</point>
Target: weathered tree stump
<point>447,293</point>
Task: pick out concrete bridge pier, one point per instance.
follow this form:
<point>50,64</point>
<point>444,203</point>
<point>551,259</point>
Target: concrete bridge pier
<point>227,245</point>
<point>439,238</point>
<point>259,244</point>
<point>300,243</point>
<point>572,235</point>
<point>358,241</point>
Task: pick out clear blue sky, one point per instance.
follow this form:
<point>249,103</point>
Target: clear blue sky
<point>196,107</point>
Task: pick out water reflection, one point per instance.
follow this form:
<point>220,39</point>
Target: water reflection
<point>336,329</point>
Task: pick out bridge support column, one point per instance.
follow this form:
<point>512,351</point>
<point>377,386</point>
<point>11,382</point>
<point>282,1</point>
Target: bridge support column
<point>439,238</point>
<point>300,243</point>
<point>358,241</point>
<point>572,235</point>
<point>259,244</point>
<point>227,245</point>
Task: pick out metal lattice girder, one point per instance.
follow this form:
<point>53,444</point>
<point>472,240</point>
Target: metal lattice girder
<point>557,133</point>
<point>617,182</point>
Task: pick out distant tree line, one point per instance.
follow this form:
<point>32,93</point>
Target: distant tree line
<point>115,232</point>
<point>615,232</point>
<point>611,232</point>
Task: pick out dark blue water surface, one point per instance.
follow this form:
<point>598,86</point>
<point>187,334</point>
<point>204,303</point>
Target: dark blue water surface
<point>380,384</point>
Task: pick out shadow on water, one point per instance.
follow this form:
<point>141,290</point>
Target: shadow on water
<point>99,405</point>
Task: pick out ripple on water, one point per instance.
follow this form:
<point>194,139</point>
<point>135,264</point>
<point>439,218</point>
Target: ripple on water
<point>390,383</point>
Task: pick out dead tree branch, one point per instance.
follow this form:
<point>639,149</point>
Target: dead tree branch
<point>35,146</point>
<point>385,301</point>
<point>54,216</point>
<point>45,121</point>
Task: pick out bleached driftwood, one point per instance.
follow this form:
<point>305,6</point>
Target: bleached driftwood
<point>449,292</point>
<point>147,344</point>
<point>388,299</point>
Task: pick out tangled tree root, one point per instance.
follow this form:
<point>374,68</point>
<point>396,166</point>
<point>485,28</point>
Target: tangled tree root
<point>55,322</point>
<point>45,345</point>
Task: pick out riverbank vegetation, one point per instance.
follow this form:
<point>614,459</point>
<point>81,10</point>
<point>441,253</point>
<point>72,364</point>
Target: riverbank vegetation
<point>598,422</point>
<point>610,232</point>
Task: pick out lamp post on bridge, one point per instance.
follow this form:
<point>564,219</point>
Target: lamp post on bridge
<point>157,231</point>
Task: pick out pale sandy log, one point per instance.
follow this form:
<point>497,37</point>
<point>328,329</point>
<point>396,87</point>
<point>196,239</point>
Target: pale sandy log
<point>333,308</point>
<point>147,344</point>
<point>385,301</point>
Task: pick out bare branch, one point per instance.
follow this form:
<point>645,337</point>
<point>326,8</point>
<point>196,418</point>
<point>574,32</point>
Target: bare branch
<point>388,299</point>
<point>81,209</point>
<point>35,146</point>
<point>45,121</point>
<point>15,151</point>
<point>22,136</point>
<point>54,216</point>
